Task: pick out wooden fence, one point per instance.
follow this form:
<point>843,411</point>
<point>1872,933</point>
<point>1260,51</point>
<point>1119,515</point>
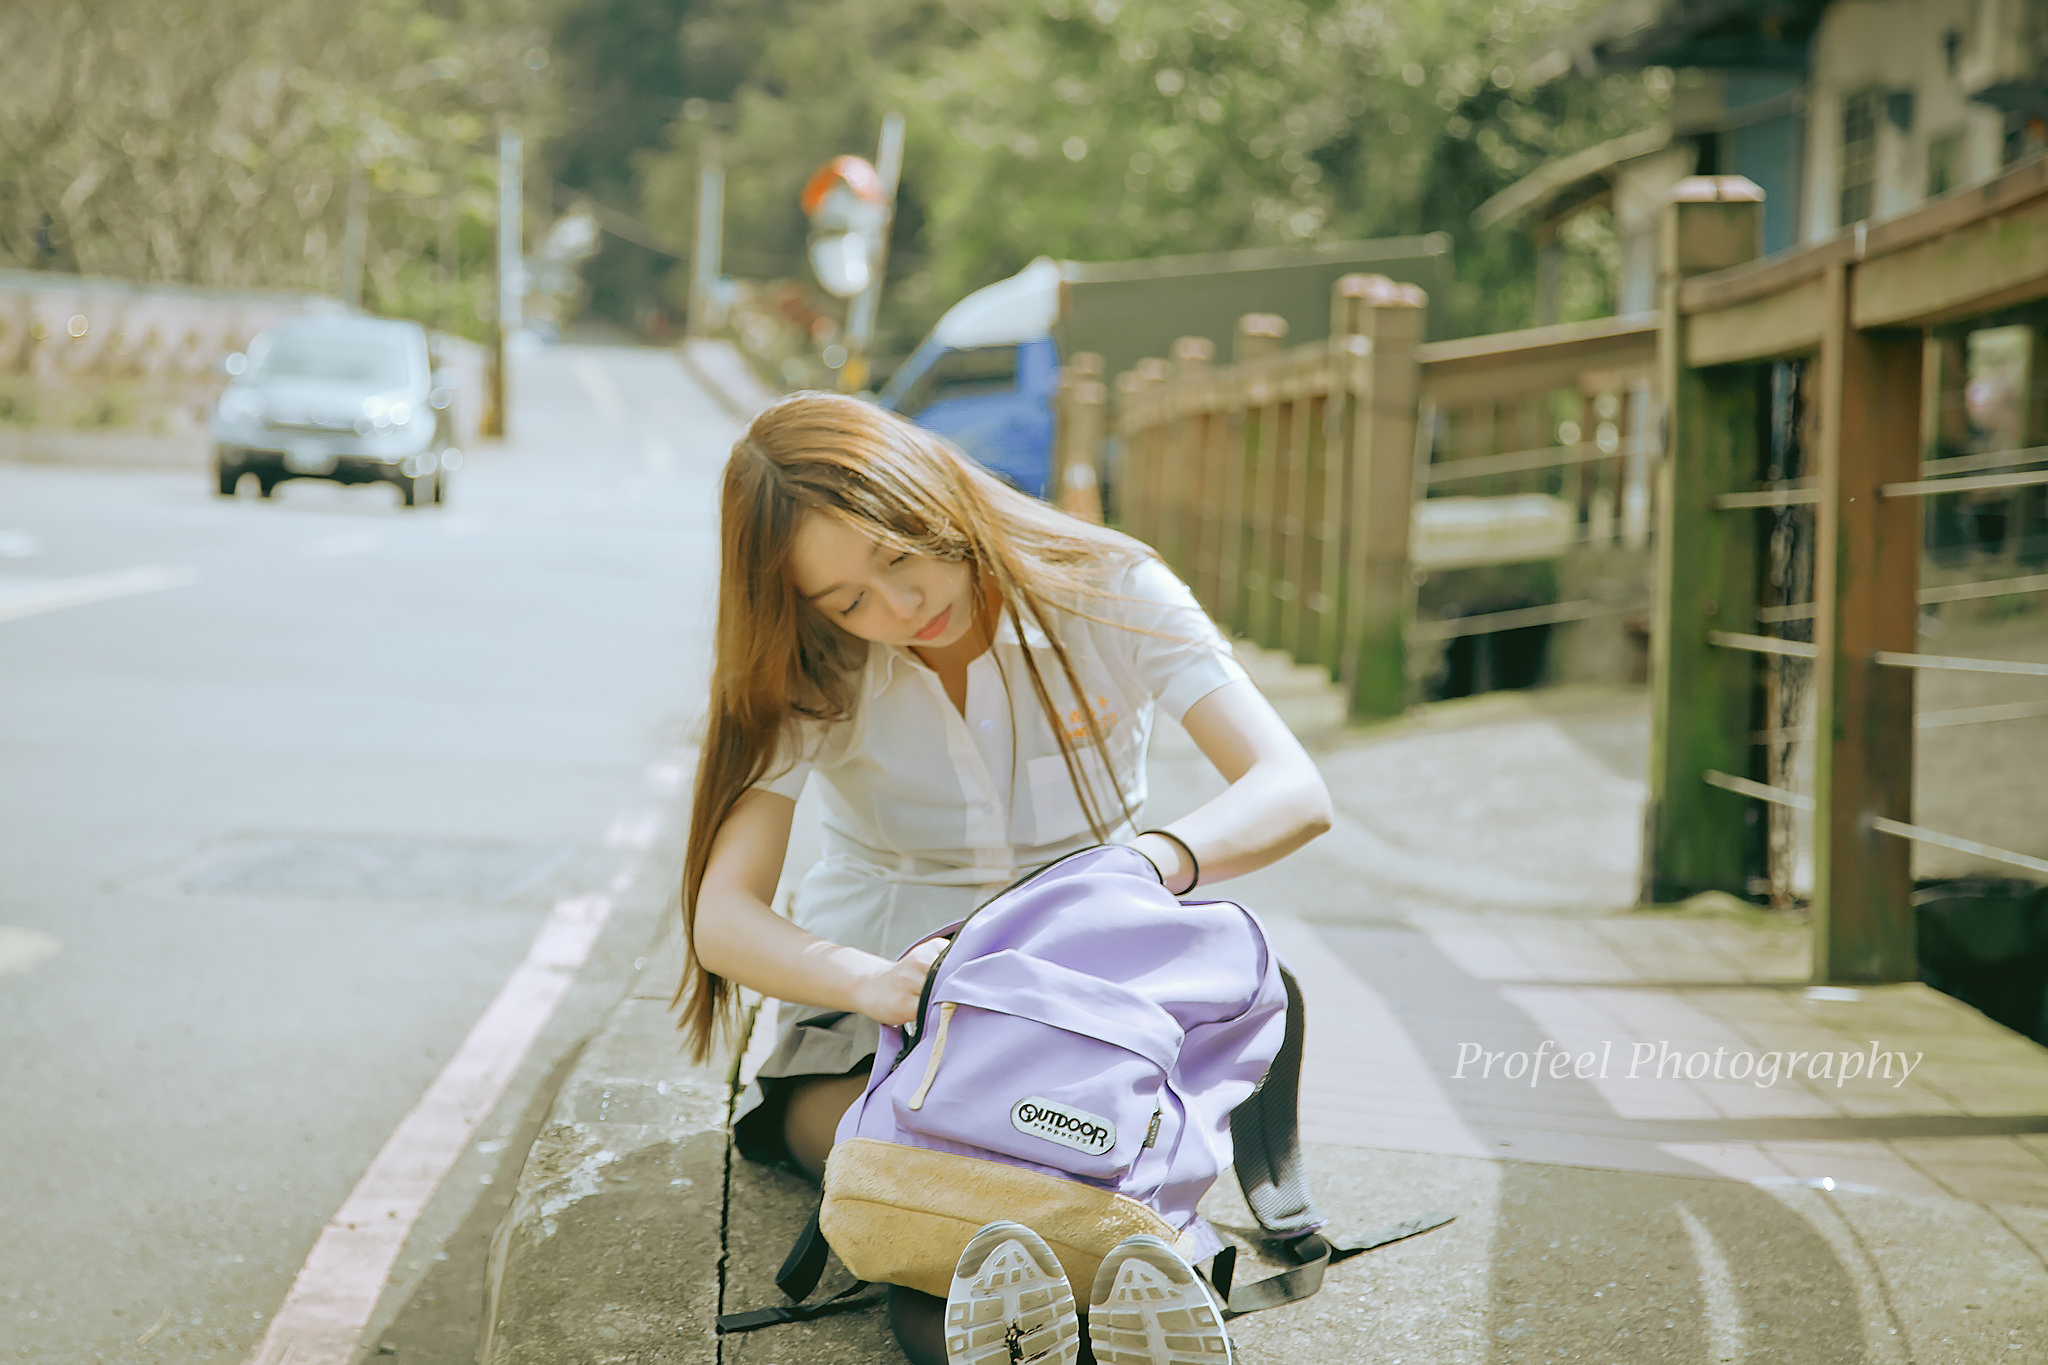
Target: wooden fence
<point>1805,408</point>
<point>1278,485</point>
<point>1367,502</point>
<point>1770,436</point>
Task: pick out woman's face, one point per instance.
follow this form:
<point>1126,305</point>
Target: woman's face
<point>875,593</point>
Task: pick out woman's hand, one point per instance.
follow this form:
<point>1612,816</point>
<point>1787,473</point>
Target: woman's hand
<point>890,996</point>
<point>1176,874</point>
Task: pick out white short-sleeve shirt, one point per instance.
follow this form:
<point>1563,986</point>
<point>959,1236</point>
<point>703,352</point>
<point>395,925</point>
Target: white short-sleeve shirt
<point>928,811</point>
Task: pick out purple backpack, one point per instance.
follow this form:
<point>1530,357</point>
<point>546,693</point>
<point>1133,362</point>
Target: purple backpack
<point>1089,1053</point>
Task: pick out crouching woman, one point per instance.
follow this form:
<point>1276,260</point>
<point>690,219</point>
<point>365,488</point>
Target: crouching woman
<point>970,678</point>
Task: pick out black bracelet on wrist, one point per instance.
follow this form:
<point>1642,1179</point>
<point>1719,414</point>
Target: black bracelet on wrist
<point>1194,863</point>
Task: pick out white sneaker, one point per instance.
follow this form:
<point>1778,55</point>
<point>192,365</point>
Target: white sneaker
<point>1010,1302</point>
<point>1149,1307</point>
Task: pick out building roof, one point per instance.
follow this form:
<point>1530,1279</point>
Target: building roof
<point>1561,185</point>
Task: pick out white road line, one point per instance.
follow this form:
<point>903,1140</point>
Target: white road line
<point>1727,1335</point>
<point>604,394</point>
<point>58,593</point>
<point>337,1289</point>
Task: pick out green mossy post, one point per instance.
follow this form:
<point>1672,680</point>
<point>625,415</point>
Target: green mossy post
<point>1700,695</point>
<point>1867,575</point>
<point>1382,375</point>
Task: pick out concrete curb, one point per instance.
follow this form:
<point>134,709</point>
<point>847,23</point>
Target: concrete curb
<point>611,1249</point>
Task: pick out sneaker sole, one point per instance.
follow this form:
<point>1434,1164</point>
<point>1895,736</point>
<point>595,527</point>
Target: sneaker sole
<point>1010,1303</point>
<point>1148,1307</point>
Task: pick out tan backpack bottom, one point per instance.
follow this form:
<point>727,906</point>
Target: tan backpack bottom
<point>902,1215</point>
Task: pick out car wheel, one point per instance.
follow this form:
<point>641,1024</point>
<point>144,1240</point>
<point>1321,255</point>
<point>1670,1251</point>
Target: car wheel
<point>440,487</point>
<point>415,492</point>
<point>266,484</point>
<point>225,478</point>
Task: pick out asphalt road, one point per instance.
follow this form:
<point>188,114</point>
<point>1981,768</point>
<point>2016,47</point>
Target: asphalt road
<point>287,789</point>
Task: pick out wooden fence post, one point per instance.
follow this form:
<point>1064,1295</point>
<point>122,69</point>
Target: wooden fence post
<point>1127,507</point>
<point>1323,609</point>
<point>1866,585</point>
<point>1305,379</point>
<point>1265,419</point>
<point>1381,381</point>
<point>1151,375</point>
<point>1697,836</point>
<point>1083,403</point>
<point>1221,464</point>
<point>1183,489</point>
<point>1259,337</point>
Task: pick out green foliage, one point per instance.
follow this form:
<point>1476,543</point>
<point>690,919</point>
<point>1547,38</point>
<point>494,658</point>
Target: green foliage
<point>1105,129</point>
<point>623,82</point>
<point>212,141</point>
<point>817,80</point>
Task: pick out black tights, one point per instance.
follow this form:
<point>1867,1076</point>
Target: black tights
<point>919,1322</point>
<point>810,1117</point>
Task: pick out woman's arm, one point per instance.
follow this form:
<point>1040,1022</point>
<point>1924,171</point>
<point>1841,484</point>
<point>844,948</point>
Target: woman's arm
<point>741,938</point>
<point>1275,803</point>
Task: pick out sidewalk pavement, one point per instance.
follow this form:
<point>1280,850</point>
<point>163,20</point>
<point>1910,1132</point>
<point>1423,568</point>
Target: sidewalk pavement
<point>1472,903</point>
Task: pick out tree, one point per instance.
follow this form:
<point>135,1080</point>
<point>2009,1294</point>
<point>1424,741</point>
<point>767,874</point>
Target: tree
<point>1103,129</point>
<point>215,142</point>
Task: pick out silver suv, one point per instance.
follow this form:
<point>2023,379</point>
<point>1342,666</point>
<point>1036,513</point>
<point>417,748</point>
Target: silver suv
<point>348,399</point>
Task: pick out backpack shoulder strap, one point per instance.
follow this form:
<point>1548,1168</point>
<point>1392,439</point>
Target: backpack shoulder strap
<point>1265,1132</point>
<point>797,1278</point>
<point>1312,1254</point>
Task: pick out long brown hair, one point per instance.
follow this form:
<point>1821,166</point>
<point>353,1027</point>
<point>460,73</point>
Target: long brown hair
<point>778,660</point>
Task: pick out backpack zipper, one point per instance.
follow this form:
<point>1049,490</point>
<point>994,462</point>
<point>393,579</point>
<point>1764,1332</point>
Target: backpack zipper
<point>931,975</point>
<point>931,1068</point>
<point>1151,1130</point>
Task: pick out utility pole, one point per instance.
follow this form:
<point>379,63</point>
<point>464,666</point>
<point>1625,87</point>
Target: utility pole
<point>860,319</point>
<point>511,275</point>
<point>355,234</point>
<point>706,312</point>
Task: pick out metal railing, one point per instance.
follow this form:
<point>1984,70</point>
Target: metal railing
<point>1843,355</point>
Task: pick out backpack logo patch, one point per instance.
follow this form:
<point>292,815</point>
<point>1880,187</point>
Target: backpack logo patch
<point>1070,1127</point>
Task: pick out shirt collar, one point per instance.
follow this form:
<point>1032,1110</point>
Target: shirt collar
<point>883,660</point>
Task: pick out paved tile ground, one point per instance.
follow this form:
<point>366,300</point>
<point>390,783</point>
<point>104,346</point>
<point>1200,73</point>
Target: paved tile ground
<point>1474,902</point>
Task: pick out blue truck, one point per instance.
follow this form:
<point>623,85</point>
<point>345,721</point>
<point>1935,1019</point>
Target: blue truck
<point>987,376</point>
